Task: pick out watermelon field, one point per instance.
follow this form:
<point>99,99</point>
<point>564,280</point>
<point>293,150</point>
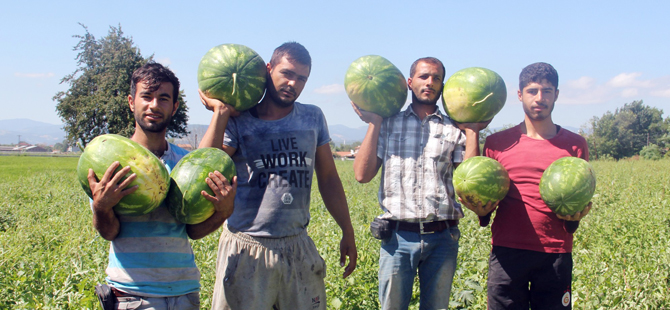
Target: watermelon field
<point>51,257</point>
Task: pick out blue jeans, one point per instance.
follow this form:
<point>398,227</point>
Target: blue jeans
<point>189,301</point>
<point>433,255</point>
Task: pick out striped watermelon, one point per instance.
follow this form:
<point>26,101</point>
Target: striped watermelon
<point>152,176</point>
<point>567,185</point>
<point>474,95</point>
<point>481,179</point>
<point>185,201</point>
<point>234,74</point>
<point>376,85</point>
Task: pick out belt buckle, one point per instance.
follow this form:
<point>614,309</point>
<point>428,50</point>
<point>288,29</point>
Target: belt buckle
<point>421,231</point>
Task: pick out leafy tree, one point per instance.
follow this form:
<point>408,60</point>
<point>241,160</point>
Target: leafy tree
<point>651,152</point>
<point>626,131</point>
<point>97,100</point>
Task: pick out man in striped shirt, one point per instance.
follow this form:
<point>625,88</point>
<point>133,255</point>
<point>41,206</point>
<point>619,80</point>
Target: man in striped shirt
<point>151,263</point>
<point>417,148</point>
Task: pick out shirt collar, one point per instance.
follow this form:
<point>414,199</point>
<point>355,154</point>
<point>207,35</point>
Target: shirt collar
<point>409,111</point>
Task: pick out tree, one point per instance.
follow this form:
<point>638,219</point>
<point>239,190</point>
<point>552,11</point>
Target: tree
<point>626,131</point>
<point>97,101</point>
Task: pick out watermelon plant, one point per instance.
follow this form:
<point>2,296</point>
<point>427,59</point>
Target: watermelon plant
<point>376,85</point>
<point>153,179</point>
<point>234,74</point>
<point>474,95</point>
<point>184,200</point>
<point>481,179</point>
<point>567,185</point>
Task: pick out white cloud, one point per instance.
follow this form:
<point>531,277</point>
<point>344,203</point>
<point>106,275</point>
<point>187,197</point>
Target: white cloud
<point>629,92</point>
<point>34,75</point>
<point>583,82</point>
<point>629,80</point>
<point>661,93</point>
<point>330,89</point>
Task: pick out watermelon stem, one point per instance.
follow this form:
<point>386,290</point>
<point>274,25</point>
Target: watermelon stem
<point>480,101</point>
<point>234,82</point>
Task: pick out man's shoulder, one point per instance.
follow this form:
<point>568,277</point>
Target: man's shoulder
<point>307,108</point>
<point>177,150</point>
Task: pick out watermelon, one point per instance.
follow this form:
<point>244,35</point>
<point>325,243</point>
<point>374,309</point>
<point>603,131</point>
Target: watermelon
<point>152,178</point>
<point>567,185</point>
<point>376,85</point>
<point>474,95</point>
<point>234,74</point>
<point>481,179</point>
<point>185,201</point>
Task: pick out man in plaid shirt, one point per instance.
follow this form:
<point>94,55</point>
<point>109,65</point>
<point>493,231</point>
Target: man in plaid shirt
<point>418,149</point>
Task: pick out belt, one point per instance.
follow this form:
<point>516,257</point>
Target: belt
<point>118,293</point>
<point>425,227</point>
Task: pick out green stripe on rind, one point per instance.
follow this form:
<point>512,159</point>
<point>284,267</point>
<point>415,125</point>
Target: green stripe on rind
<point>153,178</point>
<point>474,95</point>
<point>481,179</point>
<point>215,75</point>
<point>567,185</point>
<point>185,201</point>
<point>376,85</point>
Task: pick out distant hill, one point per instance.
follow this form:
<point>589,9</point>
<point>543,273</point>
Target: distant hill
<point>32,132</point>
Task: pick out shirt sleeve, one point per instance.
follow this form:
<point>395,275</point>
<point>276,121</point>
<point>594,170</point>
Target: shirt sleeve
<point>324,135</point>
<point>459,149</point>
<point>381,140</point>
<point>230,137</point>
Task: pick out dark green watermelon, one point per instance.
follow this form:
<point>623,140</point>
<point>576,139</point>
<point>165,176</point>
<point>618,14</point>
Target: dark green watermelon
<point>153,178</point>
<point>567,185</point>
<point>376,85</point>
<point>185,201</point>
<point>234,74</point>
<point>481,179</point>
<point>474,95</point>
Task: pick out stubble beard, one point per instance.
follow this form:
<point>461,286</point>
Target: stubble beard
<point>152,127</point>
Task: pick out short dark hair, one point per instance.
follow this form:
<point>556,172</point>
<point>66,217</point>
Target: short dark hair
<point>431,60</point>
<point>294,52</point>
<point>535,73</point>
<point>153,74</point>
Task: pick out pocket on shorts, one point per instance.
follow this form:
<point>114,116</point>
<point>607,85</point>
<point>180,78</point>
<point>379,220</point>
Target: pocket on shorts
<point>194,298</point>
<point>455,234</point>
<point>129,303</point>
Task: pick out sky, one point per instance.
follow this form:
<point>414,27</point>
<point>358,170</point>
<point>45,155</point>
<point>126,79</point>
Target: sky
<point>607,53</point>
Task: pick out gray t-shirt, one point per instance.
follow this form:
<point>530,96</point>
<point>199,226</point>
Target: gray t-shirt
<point>275,164</point>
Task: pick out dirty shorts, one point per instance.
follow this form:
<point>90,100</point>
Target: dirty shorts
<point>268,273</point>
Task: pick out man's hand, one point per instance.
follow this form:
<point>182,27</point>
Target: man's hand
<point>110,190</point>
<point>577,216</point>
<point>348,248</point>
<point>217,106</point>
<point>479,209</point>
<point>473,126</point>
<point>367,116</point>
<point>224,193</point>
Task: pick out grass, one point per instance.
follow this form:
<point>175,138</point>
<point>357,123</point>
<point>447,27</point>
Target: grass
<point>51,257</point>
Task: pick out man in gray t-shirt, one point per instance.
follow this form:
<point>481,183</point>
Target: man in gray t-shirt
<point>266,259</point>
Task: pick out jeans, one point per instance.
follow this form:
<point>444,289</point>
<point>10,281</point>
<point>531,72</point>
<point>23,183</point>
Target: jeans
<point>432,255</point>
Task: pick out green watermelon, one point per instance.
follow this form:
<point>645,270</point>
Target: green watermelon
<point>481,179</point>
<point>376,85</point>
<point>234,74</point>
<point>474,95</point>
<point>153,178</point>
<point>567,185</point>
<point>185,201</point>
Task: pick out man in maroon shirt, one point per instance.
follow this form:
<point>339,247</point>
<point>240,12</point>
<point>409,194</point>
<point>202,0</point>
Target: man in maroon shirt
<point>531,260</point>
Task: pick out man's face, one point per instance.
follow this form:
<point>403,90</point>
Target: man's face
<point>538,99</point>
<point>153,110</point>
<point>286,82</point>
<point>426,84</point>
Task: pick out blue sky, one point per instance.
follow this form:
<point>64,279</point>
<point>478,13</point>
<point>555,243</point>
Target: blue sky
<point>607,53</point>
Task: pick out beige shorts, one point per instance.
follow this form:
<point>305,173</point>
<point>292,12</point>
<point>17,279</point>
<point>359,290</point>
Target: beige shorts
<point>268,273</point>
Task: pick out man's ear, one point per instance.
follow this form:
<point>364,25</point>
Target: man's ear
<point>409,83</point>
<point>175,107</point>
<point>130,103</point>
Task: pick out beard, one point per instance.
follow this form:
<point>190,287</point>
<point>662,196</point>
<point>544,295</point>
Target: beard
<point>274,94</point>
<point>539,116</point>
<point>155,127</point>
<point>417,100</point>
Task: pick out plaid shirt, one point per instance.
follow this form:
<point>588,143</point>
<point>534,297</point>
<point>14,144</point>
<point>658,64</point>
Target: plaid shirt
<point>418,162</point>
